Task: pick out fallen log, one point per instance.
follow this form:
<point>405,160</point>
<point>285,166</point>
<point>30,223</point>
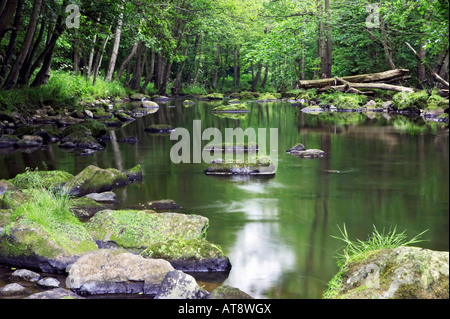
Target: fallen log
<point>363,78</point>
<point>379,86</point>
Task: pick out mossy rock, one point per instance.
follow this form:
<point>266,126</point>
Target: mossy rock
<point>84,207</point>
<point>410,102</point>
<point>26,243</point>
<point>248,95</point>
<point>159,129</point>
<point>96,128</point>
<point>139,229</point>
<point>13,199</point>
<point>231,108</point>
<point>314,109</point>
<point>350,102</point>
<point>188,102</point>
<point>192,255</point>
<point>266,97</point>
<point>47,179</point>
<point>5,216</point>
<point>96,180</point>
<point>401,273</point>
<point>211,97</point>
<point>234,101</point>
<point>228,293</point>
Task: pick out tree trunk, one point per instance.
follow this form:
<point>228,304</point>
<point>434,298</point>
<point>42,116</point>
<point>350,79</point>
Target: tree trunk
<point>6,16</point>
<point>12,41</point>
<point>257,77</point>
<point>324,41</point>
<point>115,50</point>
<point>139,67</point>
<point>199,61</point>
<point>127,61</point>
<point>14,73</point>
<point>150,72</point>
<point>266,74</point>
<point>225,68</point>
<point>91,58</point>
<point>99,59</point>
<point>237,68</point>
<point>386,45</point>
<point>380,86</point>
<point>178,86</point>
<point>216,67</point>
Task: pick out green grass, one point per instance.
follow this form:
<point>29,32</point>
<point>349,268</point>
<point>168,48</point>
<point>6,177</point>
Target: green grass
<point>63,90</point>
<point>356,250</point>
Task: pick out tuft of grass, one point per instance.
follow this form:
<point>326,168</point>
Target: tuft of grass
<point>356,250</point>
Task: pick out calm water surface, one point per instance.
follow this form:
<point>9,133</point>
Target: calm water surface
<point>278,231</point>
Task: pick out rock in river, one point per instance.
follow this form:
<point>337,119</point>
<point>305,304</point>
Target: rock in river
<point>116,272</point>
<point>401,273</point>
<point>137,230</point>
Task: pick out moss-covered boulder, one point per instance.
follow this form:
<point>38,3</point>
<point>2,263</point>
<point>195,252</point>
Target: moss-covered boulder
<point>137,230</point>
<point>96,180</point>
<point>85,207</point>
<point>266,97</point>
<point>48,247</point>
<point>405,102</point>
<point>191,255</point>
<point>231,108</point>
<point>401,273</point>
<point>310,153</point>
<point>313,109</point>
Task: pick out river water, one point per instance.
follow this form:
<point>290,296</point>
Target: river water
<point>277,232</point>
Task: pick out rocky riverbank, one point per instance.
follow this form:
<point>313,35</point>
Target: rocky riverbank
<point>50,223</point>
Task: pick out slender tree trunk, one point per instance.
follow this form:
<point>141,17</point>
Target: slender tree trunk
<point>237,68</point>
<point>178,86</point>
<point>12,41</point>
<point>99,59</point>
<point>76,55</point>
<point>225,68</point>
<point>6,16</point>
<point>14,73</point>
<point>257,77</point>
<point>139,67</point>
<point>91,57</point>
<point>127,61</point>
<point>199,65</point>
<point>386,45</point>
<point>115,50</point>
<point>216,67</point>
<point>266,74</point>
<point>324,41</point>
<point>150,72</point>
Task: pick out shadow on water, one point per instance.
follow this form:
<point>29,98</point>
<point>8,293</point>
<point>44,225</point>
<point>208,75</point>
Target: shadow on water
<point>378,170</point>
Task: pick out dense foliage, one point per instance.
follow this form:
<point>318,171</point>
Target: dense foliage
<point>196,46</point>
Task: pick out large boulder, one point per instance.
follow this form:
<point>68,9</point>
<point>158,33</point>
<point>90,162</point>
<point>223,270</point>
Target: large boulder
<point>116,272</point>
<point>48,248</point>
<point>96,180</point>
<point>228,292</point>
<point>137,230</point>
<point>401,273</point>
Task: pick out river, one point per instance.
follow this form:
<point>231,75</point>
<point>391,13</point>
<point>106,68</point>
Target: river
<point>278,232</point>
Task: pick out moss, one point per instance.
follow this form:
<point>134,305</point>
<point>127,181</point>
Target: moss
<point>140,229</point>
<point>248,95</point>
<point>267,97</point>
<point>212,96</point>
<point>232,108</point>
<point>46,179</point>
<point>191,249</point>
<point>410,101</point>
<point>95,180</point>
